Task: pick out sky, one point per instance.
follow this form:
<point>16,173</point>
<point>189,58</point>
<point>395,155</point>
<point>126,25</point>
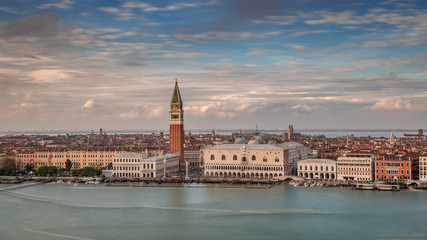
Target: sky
<point>68,64</point>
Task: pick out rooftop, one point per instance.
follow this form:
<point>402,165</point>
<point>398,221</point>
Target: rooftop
<point>247,146</point>
<point>317,160</point>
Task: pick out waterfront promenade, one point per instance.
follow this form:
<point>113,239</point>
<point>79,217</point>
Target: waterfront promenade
<point>292,180</point>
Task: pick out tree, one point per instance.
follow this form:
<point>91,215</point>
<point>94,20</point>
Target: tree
<point>61,171</point>
<point>29,168</point>
<point>43,170</point>
<point>68,165</point>
<point>88,171</point>
<point>9,165</point>
<point>52,170</point>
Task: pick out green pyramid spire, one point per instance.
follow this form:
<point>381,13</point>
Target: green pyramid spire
<point>176,97</point>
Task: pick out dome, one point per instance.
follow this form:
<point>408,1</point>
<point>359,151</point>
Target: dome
<point>259,139</point>
<point>272,142</point>
<point>240,140</point>
<point>253,141</point>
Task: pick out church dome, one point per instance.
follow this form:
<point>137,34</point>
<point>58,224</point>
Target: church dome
<point>240,140</point>
<point>253,141</point>
<point>259,139</point>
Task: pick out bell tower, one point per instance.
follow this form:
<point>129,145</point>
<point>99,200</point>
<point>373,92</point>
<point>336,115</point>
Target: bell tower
<point>176,125</point>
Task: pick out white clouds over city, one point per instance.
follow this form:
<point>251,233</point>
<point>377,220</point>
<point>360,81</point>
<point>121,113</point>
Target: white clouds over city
<point>237,65</point>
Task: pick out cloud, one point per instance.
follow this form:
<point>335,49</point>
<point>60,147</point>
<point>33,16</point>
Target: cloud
<point>64,4</point>
<point>369,44</point>
<point>296,46</point>
<point>141,112</point>
<point>51,75</point>
<point>278,20</point>
<point>302,33</point>
<point>121,14</point>
<point>183,55</point>
<point>223,35</point>
<point>398,104</point>
<point>345,17</point>
<point>8,10</point>
<point>26,109</point>
<point>89,104</point>
<point>255,52</point>
<point>304,108</point>
<point>36,28</point>
<point>120,35</point>
<point>146,7</point>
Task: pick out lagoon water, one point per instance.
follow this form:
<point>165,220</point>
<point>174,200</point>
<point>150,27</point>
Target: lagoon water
<point>61,211</point>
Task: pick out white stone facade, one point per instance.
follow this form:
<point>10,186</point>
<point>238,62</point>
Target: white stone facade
<point>317,168</point>
<point>356,166</point>
<point>255,161</point>
<point>137,165</point>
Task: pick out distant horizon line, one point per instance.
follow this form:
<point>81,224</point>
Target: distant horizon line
<point>244,130</point>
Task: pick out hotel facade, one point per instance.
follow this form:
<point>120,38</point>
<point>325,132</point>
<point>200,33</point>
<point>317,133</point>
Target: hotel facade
<point>396,167</point>
<point>357,166</point>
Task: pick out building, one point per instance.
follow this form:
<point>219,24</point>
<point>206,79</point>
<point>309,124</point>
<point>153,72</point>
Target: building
<point>253,159</point>
<point>357,166</point>
<point>415,137</point>
<point>392,139</point>
<point>290,132</point>
<point>79,158</point>
<point>137,165</point>
<point>396,167</point>
<point>176,126</point>
<point>423,168</point>
<point>316,168</point>
<point>193,158</point>
<point>314,153</point>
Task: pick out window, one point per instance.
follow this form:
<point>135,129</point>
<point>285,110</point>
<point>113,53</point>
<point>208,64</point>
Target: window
<point>234,157</point>
<point>212,157</point>
<point>264,159</point>
<point>223,157</point>
<point>276,159</point>
<point>253,158</point>
<point>244,159</point>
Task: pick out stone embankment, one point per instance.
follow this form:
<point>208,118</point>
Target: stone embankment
<point>357,185</point>
<point>213,182</point>
<point>319,183</point>
<point>174,179</point>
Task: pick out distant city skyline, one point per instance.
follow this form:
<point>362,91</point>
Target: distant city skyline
<point>315,64</point>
